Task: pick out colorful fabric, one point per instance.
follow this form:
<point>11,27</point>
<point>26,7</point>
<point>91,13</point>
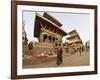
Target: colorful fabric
<point>59,51</point>
<point>59,56</point>
<point>59,60</point>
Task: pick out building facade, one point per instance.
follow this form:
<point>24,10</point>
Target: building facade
<point>74,41</point>
<point>48,31</point>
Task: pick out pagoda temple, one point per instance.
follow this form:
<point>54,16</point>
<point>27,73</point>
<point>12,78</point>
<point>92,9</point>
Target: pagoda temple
<point>74,40</point>
<point>48,29</point>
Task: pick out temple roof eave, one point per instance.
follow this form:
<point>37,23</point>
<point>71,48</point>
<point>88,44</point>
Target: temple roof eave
<point>51,18</point>
<point>71,31</point>
<point>75,42</point>
<point>41,17</point>
<point>70,37</point>
<point>51,22</point>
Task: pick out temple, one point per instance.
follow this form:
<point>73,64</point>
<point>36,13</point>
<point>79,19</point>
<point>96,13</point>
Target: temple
<point>49,33</point>
<point>74,40</point>
<point>48,29</point>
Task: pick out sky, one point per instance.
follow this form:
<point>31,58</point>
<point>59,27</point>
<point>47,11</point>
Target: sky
<point>70,21</point>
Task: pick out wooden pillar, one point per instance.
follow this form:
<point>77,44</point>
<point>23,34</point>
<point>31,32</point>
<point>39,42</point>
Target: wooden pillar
<point>41,38</point>
<point>51,39</point>
<point>47,40</point>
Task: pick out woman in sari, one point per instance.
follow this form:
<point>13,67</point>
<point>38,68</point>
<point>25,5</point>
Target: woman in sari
<point>59,55</point>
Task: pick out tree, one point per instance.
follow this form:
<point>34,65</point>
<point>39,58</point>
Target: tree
<point>30,47</point>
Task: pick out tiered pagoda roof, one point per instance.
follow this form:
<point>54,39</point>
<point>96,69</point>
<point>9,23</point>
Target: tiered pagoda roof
<point>50,21</point>
<point>74,37</point>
